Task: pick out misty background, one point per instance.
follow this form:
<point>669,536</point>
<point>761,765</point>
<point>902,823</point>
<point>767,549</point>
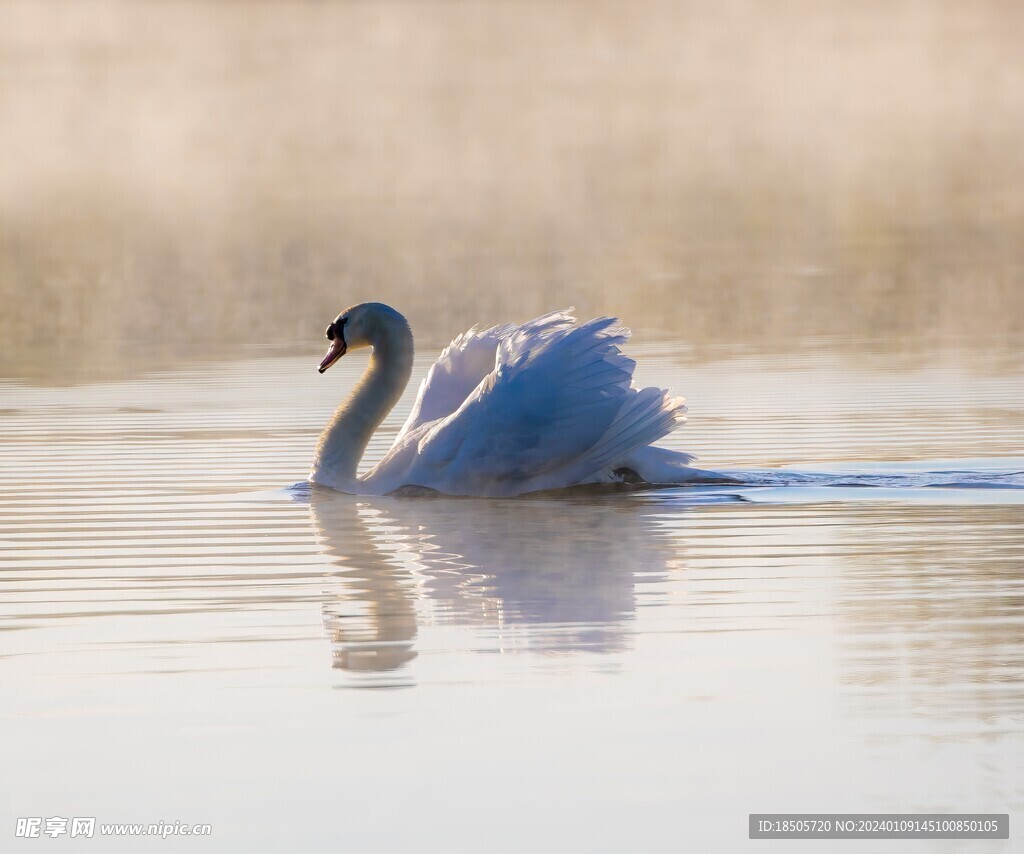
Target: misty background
<point>224,173</point>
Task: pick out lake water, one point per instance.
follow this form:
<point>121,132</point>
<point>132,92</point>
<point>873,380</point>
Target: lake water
<point>190,634</point>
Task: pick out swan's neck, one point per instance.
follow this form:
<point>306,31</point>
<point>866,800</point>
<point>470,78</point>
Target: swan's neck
<point>347,434</point>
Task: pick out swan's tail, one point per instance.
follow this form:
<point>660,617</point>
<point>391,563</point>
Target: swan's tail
<point>644,418</point>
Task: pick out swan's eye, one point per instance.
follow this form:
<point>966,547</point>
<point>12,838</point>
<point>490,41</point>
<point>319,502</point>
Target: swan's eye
<point>337,329</point>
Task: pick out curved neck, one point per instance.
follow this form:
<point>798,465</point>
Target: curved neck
<point>347,434</point>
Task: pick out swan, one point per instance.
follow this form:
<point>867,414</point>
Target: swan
<point>506,411</point>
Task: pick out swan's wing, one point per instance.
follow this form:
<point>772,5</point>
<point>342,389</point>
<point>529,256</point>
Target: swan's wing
<point>465,362</point>
<point>558,402</point>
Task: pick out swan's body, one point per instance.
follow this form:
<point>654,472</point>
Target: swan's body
<point>510,410</point>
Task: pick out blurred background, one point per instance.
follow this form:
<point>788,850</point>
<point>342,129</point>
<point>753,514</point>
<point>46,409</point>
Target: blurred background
<point>208,175</point>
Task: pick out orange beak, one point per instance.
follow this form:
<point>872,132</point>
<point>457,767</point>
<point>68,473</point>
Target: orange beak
<point>334,352</point>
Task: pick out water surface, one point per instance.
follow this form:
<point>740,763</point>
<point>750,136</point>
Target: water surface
<point>187,634</point>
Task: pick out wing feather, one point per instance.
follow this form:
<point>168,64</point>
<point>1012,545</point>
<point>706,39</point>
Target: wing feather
<point>553,406</point>
<point>464,363</point>
<point>648,415</point>
<point>535,412</point>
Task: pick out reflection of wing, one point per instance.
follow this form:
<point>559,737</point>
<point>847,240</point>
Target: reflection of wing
<point>550,568</point>
<point>463,364</point>
<point>556,574</point>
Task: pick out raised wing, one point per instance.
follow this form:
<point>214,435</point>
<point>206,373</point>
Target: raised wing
<point>551,398</point>
<point>465,362</point>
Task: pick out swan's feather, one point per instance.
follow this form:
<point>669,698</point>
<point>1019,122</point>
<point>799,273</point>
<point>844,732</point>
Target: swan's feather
<point>648,415</point>
<point>464,363</point>
<point>555,408</point>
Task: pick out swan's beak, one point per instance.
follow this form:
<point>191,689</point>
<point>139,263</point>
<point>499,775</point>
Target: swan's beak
<point>334,352</point>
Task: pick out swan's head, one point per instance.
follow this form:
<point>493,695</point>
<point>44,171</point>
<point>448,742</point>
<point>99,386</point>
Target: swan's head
<point>368,324</point>
<point>336,332</point>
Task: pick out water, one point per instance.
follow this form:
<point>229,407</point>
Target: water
<point>189,634</point>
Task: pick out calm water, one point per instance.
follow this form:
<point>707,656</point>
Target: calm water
<point>187,635</point>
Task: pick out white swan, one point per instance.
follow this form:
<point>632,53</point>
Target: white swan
<point>510,410</point>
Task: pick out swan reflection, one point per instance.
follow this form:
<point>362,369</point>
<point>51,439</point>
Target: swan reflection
<point>540,575</point>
